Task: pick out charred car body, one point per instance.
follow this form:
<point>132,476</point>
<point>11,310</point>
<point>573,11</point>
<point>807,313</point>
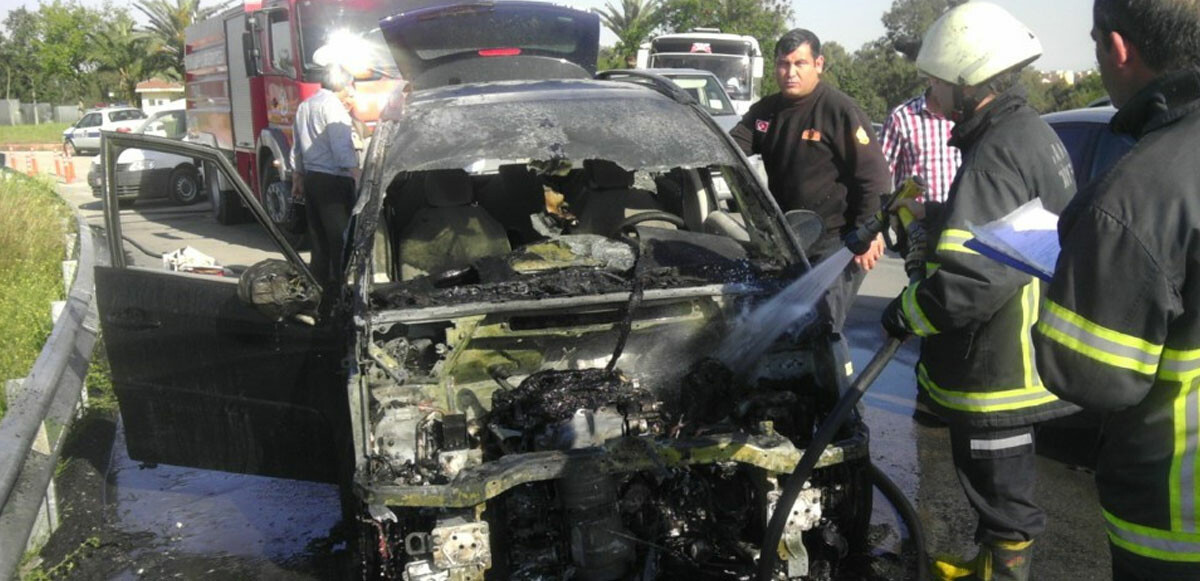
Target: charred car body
<point>515,380</point>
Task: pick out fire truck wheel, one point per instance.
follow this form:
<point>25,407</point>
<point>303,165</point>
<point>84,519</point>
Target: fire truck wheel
<point>226,209</point>
<point>277,201</point>
<point>184,185</point>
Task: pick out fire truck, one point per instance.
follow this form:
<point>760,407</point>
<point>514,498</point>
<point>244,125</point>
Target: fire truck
<point>249,68</point>
<point>735,59</point>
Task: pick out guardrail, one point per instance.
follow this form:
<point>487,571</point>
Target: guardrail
<point>40,412</point>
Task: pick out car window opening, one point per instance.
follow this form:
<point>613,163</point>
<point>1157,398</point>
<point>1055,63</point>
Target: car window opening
<point>563,223</point>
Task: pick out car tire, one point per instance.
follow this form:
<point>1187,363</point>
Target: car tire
<point>69,149</point>
<point>184,185</point>
<point>126,203</point>
<point>277,201</point>
<point>226,208</point>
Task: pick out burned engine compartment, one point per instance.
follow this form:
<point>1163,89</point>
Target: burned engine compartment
<point>514,431</point>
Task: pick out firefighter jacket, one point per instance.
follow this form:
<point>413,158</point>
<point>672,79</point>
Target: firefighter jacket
<point>974,313</point>
<point>1119,330</point>
<point>820,154</point>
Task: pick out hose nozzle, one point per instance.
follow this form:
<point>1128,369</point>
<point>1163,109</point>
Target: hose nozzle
<point>859,241</point>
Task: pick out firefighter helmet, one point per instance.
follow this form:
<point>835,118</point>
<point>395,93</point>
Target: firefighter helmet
<point>975,41</point>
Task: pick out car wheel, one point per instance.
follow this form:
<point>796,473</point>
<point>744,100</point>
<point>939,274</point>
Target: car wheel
<point>277,201</point>
<point>184,184</point>
<point>69,149</point>
<point>125,203</point>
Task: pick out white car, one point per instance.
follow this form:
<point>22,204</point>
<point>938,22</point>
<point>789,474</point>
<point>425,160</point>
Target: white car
<point>143,174</point>
<point>84,135</point>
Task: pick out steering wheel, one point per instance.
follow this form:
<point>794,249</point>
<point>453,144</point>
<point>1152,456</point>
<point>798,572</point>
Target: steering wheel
<point>649,216</point>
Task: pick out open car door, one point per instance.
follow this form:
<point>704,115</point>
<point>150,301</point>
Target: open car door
<point>204,379</point>
<point>474,42</point>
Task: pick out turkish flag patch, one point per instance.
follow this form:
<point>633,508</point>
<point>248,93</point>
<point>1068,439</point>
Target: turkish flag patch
<point>762,125</point>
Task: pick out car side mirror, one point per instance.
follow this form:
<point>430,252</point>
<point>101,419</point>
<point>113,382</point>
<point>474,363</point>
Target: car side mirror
<point>279,291</point>
<point>806,225</point>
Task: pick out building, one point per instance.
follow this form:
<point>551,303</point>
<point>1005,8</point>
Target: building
<point>157,95</point>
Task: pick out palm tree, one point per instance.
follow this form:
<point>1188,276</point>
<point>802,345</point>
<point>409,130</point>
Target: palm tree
<point>632,23</point>
<point>123,51</point>
<point>167,21</point>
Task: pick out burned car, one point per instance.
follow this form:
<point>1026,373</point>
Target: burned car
<point>517,378</point>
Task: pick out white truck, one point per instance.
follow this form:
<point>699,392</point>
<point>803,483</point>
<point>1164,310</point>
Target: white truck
<point>735,59</point>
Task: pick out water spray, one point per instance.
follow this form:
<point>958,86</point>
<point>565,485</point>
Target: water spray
<point>857,242</point>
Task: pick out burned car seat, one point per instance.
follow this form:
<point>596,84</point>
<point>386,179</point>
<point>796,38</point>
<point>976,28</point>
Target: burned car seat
<point>449,231</point>
<point>611,198</point>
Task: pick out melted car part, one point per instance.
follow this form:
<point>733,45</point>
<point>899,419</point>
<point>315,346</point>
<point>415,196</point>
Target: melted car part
<point>277,289</point>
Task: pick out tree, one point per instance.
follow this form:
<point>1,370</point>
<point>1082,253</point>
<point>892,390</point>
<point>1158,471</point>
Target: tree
<point>18,54</point>
<point>907,21</point>
<point>123,51</point>
<point>63,50</point>
<point>632,25</point>
<point>167,22</point>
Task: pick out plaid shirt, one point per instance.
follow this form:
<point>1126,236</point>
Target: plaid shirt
<point>916,143</point>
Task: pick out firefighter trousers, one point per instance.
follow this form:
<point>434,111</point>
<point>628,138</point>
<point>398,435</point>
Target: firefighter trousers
<point>997,470</point>
<point>1127,566</point>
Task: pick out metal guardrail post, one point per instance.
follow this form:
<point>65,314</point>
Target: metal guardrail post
<point>45,405</point>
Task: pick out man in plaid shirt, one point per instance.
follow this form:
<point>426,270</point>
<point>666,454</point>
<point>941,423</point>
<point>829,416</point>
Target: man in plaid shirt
<point>915,143</point>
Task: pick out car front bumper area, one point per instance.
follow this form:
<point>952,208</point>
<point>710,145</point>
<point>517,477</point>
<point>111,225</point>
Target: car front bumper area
<point>473,486</point>
<point>152,183</point>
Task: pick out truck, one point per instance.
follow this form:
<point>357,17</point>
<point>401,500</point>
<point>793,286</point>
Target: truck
<point>250,67</point>
<point>735,59</point>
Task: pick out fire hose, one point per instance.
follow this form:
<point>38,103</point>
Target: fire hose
<point>858,242</point>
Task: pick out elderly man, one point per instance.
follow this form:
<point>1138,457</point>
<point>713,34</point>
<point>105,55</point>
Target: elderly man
<point>325,163</point>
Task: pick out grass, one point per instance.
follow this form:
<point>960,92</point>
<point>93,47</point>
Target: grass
<point>101,397</point>
<point>25,134</point>
<point>32,246</point>
<point>63,567</point>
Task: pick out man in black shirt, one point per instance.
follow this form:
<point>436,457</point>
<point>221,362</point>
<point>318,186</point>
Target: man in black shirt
<point>820,155</point>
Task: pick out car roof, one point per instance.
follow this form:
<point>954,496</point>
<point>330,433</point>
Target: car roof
<point>669,72</point>
<point>110,109</point>
<point>1085,115</point>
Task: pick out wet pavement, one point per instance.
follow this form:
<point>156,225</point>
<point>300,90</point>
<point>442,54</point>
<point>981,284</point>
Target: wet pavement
<point>267,525</point>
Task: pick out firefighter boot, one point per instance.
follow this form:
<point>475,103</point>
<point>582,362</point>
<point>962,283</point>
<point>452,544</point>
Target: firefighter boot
<point>999,561</point>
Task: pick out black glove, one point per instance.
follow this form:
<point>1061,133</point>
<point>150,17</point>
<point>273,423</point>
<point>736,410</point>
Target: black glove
<point>893,320</point>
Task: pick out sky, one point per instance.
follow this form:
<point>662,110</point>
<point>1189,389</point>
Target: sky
<point>1062,25</point>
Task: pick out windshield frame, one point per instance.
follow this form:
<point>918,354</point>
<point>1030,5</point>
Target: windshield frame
<point>771,242</point>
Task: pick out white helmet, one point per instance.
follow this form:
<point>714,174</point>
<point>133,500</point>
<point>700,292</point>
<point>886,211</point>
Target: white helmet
<point>975,41</point>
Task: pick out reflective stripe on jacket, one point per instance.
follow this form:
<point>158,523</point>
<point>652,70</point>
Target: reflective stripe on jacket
<point>1119,330</point>
<point>977,359</point>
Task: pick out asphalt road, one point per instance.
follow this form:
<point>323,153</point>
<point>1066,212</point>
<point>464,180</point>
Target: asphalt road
<point>164,522</point>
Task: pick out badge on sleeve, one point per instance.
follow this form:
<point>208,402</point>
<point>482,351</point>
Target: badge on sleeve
<point>762,125</point>
<point>861,136</point>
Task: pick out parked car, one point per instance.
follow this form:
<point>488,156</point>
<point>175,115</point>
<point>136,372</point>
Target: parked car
<point>516,378</point>
<point>1093,147</point>
<point>145,174</point>
<point>706,89</point>
<point>84,135</point>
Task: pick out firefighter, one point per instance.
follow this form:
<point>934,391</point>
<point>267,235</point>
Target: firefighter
<point>974,313</point>
<point>1119,329</point>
